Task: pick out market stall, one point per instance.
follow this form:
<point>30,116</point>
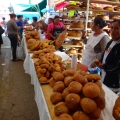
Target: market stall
<point>43,90</point>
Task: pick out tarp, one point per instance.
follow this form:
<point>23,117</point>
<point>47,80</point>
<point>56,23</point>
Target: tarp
<point>42,5</point>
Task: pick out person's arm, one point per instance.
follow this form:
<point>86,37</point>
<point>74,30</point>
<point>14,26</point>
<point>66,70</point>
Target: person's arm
<point>15,26</point>
<point>63,26</point>
<point>84,39</point>
<point>50,30</point>
<point>103,42</point>
<point>49,33</point>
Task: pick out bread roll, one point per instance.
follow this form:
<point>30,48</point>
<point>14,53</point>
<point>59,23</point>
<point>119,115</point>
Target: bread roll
<point>59,87</point>
<point>65,93</point>
<point>72,100</point>
<point>75,87</point>
<point>91,90</point>
<point>79,115</point>
<point>65,117</point>
<point>56,97</point>
<point>88,105</point>
<point>60,108</point>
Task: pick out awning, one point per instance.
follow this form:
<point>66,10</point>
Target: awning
<point>61,5</point>
<point>45,10</point>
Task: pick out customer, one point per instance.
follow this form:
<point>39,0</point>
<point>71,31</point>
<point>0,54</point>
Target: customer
<point>4,23</point>
<point>1,40</point>
<point>25,21</point>
<point>12,29</point>
<point>110,61</point>
<point>35,23</point>
<point>43,26</point>
<point>95,44</point>
<point>20,24</point>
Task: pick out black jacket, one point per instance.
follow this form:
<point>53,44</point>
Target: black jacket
<point>112,66</point>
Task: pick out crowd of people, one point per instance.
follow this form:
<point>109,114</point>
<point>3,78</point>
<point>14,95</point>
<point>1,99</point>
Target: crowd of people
<point>100,50</point>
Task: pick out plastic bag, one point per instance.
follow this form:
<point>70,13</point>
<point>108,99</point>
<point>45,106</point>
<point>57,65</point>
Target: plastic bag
<point>19,52</point>
<point>95,70</point>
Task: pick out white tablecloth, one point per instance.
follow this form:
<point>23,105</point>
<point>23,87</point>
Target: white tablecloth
<point>110,97</point>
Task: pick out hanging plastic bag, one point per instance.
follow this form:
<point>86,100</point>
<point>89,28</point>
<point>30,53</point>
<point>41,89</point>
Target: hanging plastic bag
<point>20,52</point>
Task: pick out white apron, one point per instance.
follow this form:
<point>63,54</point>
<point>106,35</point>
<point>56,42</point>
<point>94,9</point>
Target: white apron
<point>89,55</point>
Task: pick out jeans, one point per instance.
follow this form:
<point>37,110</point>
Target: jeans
<point>13,40</point>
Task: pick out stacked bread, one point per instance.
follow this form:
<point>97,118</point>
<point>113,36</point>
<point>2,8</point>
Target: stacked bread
<point>77,42</point>
<point>77,95</point>
<point>74,33</point>
<point>47,63</point>
<point>109,8</point>
<point>71,51</point>
<point>104,17</point>
<point>77,25</point>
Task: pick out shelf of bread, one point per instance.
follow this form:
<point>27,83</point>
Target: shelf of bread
<point>108,11</point>
<point>105,2</point>
<point>70,45</point>
<point>73,37</point>
<point>76,28</point>
<point>74,34</point>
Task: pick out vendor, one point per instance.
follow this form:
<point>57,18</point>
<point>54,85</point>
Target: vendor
<point>110,61</point>
<point>55,28</point>
<point>95,44</point>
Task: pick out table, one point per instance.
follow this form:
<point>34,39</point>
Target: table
<point>43,92</point>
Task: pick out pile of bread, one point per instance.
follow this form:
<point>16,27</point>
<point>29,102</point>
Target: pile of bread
<point>79,24</point>
<point>110,8</point>
<point>74,34</point>
<point>28,28</point>
<point>77,42</point>
<point>48,63</point>
<point>79,6</point>
<point>32,35</point>
<point>77,95</point>
<point>74,50</point>
<point>34,45</point>
<point>73,7</point>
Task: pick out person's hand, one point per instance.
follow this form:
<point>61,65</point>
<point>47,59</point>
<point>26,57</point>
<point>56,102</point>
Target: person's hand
<point>83,34</point>
<point>100,65</point>
<point>95,63</point>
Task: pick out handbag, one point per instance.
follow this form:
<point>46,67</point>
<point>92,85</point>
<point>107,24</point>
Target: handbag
<point>1,30</point>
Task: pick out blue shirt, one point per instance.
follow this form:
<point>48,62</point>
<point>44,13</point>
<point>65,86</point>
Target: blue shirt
<point>25,22</point>
<point>20,23</point>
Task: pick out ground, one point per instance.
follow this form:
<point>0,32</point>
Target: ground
<point>16,92</point>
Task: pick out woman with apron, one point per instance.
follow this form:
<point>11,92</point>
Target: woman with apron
<point>55,28</point>
<point>95,44</point>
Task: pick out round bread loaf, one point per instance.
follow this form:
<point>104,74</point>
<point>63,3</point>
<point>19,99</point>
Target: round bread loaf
<point>91,90</point>
<point>72,100</point>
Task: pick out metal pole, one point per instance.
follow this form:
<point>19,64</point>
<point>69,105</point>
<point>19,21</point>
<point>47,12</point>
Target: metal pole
<point>87,13</point>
